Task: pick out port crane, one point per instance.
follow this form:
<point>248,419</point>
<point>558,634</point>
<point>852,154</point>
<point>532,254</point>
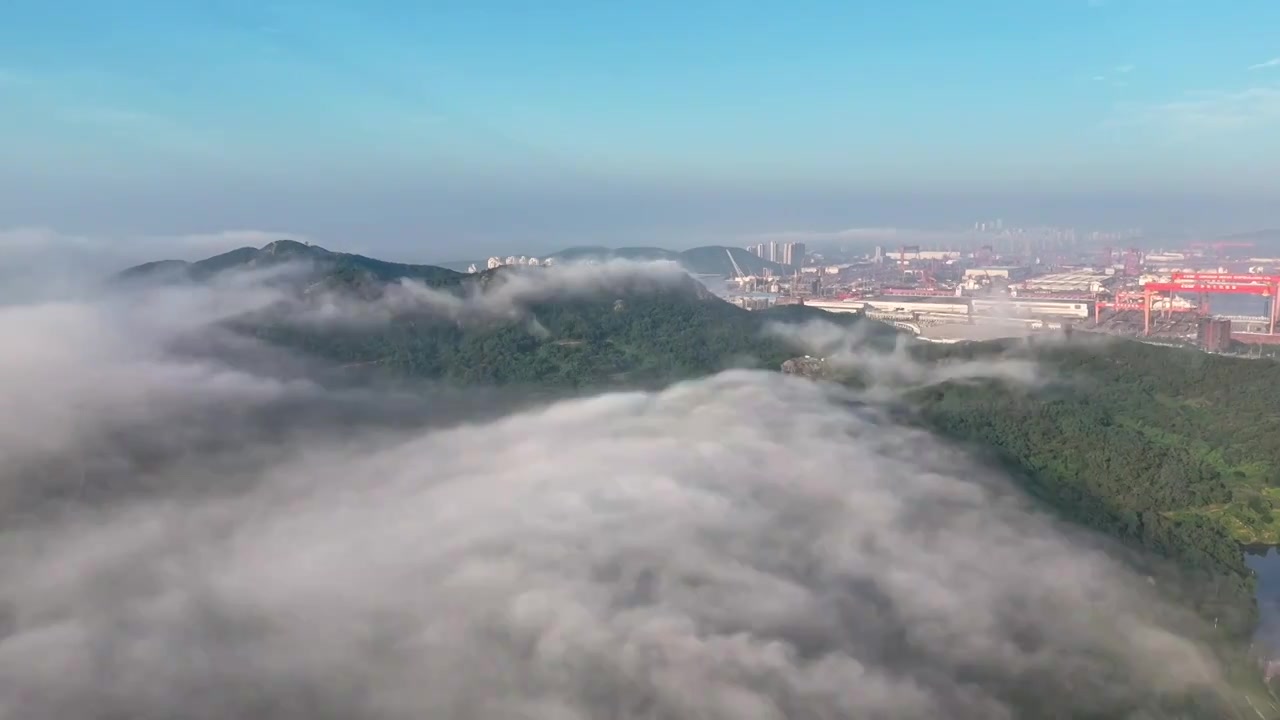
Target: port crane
<point>738,275</point>
<point>1267,286</point>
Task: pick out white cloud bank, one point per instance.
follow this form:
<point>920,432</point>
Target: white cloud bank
<point>745,546</point>
<point>891,371</point>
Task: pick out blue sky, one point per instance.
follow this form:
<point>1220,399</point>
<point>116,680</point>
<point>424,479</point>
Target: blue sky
<point>442,125</point>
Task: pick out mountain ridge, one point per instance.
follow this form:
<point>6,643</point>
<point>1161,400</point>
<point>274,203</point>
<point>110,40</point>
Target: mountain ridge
<point>702,260</point>
<point>556,325</point>
<point>285,251</point>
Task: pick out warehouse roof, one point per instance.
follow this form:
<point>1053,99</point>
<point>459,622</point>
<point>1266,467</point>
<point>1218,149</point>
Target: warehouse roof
<point>963,332</point>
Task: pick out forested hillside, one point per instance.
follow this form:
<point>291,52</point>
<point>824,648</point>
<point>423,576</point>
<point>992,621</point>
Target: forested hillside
<point>334,266</point>
<point>1173,450</point>
<point>646,330</point>
<point>631,338</point>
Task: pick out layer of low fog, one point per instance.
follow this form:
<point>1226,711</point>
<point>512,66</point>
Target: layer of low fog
<point>190,537</point>
<point>505,294</point>
<point>891,368</point>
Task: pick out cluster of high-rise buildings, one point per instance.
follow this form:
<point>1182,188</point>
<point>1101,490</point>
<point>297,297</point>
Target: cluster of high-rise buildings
<point>791,253</point>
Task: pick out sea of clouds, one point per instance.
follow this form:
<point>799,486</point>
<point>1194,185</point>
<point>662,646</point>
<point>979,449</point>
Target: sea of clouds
<point>193,526</point>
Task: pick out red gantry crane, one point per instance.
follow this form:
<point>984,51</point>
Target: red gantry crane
<point>1267,286</point>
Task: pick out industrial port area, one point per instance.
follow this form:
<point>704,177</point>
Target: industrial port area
<point>1218,296</point>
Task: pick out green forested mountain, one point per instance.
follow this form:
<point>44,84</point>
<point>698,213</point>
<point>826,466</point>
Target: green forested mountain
<point>707,260</point>
<point>627,337</point>
<point>637,332</point>
<point>1206,422</point>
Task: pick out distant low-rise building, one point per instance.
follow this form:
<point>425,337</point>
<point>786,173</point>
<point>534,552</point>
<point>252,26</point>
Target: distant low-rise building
<point>935,255</point>
<point>752,303</point>
<point>806,366</point>
<point>1004,272</point>
<point>1079,281</point>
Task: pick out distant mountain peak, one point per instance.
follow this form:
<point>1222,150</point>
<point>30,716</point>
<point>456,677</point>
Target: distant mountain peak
<point>343,268</point>
<point>286,246</point>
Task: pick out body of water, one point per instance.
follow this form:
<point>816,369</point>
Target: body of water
<point>1237,305</point>
<point>1265,562</point>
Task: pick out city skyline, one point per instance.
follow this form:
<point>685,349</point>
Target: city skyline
<point>424,131</point>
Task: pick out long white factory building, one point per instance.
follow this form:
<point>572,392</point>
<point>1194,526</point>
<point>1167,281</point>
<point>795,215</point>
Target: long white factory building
<point>963,307</point>
<point>1019,307</point>
<point>838,306</point>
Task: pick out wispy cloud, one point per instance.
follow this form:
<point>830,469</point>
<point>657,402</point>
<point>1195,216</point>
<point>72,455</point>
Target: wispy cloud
<point>889,373</point>
<point>1273,62</point>
<point>1212,112</point>
<point>1118,78</point>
